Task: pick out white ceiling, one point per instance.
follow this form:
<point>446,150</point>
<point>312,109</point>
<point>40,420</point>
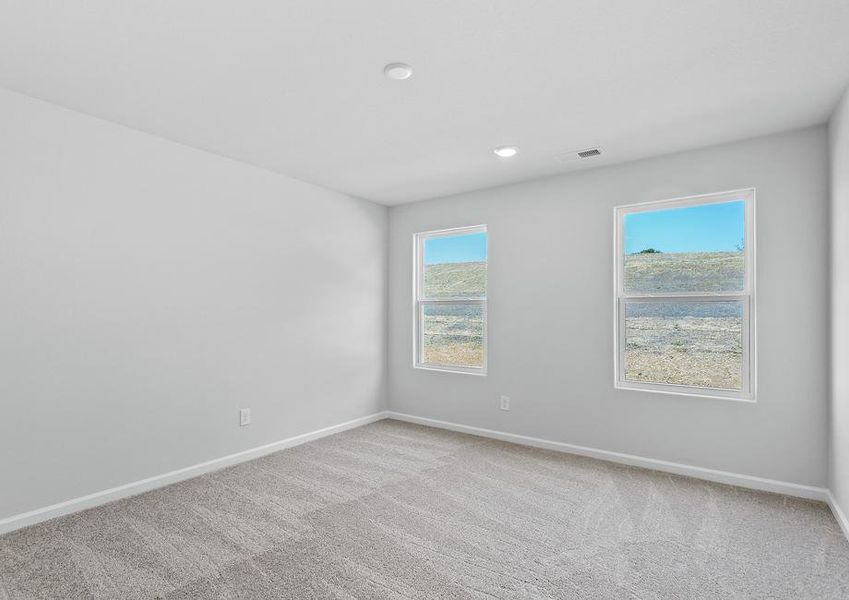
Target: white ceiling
<point>296,86</point>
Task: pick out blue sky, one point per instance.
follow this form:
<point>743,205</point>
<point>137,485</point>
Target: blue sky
<point>705,228</point>
<point>456,248</point>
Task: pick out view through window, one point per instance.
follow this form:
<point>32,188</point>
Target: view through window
<point>684,295</point>
<point>450,305</point>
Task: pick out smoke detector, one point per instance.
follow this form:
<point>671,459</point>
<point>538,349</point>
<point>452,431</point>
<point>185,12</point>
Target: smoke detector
<point>398,71</point>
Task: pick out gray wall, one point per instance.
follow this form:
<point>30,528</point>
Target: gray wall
<point>149,290</point>
<point>551,313</point>
<point>839,138</point>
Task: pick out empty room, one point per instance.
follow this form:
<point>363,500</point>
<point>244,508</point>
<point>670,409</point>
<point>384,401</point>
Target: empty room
<point>396,299</point>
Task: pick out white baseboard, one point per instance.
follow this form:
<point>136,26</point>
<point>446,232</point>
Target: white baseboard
<point>746,481</point>
<point>839,515</point>
<point>137,487</point>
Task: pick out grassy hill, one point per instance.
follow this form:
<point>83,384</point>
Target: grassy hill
<point>684,271</point>
<point>644,273</point>
<point>455,280</point>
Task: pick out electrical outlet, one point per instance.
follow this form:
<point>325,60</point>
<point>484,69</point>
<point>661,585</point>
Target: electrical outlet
<point>244,416</point>
<point>505,403</point>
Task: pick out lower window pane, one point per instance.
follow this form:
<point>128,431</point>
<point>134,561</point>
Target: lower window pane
<point>453,334</point>
<point>686,343</point>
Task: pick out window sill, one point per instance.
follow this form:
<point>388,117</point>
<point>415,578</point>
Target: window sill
<point>457,370</point>
<point>684,391</point>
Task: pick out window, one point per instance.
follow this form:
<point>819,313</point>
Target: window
<point>685,308</point>
<point>450,300</point>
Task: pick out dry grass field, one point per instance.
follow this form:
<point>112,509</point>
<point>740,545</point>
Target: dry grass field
<point>455,353</point>
<point>697,343</point>
<point>453,335</point>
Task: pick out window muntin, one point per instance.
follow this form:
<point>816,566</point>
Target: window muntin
<point>685,296</point>
<point>450,300</point>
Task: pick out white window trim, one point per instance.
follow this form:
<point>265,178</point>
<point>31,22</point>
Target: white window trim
<point>747,297</point>
<point>419,302</point>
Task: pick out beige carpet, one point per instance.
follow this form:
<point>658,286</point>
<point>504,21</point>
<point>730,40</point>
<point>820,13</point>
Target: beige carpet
<point>393,510</point>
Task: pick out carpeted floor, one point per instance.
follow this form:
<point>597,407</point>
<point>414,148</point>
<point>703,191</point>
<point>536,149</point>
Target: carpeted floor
<point>393,510</point>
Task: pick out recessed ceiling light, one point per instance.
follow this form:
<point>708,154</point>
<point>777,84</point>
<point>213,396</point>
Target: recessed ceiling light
<point>506,151</point>
<point>398,71</point>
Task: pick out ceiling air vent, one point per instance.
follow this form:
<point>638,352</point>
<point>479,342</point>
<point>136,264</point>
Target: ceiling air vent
<point>589,153</point>
<point>574,155</point>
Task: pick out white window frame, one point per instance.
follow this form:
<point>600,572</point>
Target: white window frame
<point>746,296</point>
<point>419,301</point>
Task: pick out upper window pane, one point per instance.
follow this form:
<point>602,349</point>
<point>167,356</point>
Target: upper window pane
<point>455,266</point>
<point>689,249</point>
